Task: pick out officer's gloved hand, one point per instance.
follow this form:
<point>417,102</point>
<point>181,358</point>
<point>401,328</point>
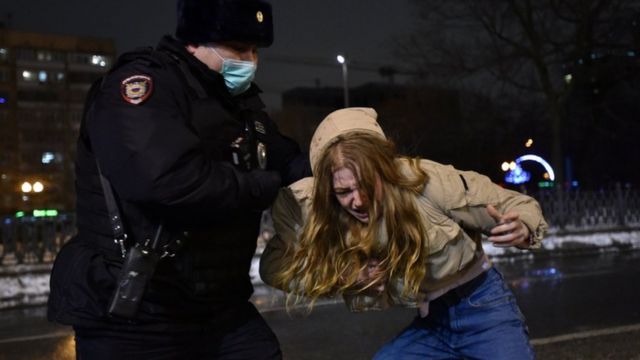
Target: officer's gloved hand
<point>297,168</point>
<point>264,188</point>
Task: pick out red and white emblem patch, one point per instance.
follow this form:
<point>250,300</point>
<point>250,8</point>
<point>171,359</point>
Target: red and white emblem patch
<point>136,89</point>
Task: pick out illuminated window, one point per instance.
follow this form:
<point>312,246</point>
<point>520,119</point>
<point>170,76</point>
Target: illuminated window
<point>42,76</point>
<point>28,75</point>
<point>90,59</point>
<point>99,60</point>
<point>48,157</point>
<point>49,56</point>
<point>44,55</point>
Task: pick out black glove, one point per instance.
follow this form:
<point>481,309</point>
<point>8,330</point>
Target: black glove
<point>264,187</point>
<point>297,168</point>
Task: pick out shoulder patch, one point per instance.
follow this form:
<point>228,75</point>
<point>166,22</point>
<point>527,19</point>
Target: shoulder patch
<point>136,89</point>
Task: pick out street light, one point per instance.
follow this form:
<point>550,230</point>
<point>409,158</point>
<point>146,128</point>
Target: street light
<point>26,187</point>
<point>38,187</point>
<point>342,60</point>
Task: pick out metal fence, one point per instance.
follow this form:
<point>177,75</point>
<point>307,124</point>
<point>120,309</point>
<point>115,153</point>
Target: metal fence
<point>576,210</point>
<point>36,240</point>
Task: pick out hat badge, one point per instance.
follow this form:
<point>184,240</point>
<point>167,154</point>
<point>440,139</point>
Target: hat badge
<point>260,16</point>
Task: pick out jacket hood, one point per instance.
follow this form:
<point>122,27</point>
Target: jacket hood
<point>341,122</point>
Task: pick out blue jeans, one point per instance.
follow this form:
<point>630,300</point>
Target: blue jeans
<point>478,320</point>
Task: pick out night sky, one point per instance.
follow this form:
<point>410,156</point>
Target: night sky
<point>308,34</point>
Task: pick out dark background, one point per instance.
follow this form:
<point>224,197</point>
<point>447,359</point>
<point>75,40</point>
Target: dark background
<point>308,34</point>
<point>443,88</point>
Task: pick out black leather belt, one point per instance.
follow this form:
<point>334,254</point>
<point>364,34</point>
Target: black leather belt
<point>465,290</point>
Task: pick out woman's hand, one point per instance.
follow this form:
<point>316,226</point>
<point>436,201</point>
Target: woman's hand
<point>368,274</point>
<point>510,230</point>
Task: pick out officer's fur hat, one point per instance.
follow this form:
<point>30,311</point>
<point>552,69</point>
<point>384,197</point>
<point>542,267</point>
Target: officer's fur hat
<point>211,21</point>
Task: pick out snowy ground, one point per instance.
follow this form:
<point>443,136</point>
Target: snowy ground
<point>25,285</point>
<point>604,241</point>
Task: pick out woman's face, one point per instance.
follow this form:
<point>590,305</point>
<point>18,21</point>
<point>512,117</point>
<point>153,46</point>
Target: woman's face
<point>347,192</point>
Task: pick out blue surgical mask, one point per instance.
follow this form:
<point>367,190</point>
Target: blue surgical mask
<point>237,74</point>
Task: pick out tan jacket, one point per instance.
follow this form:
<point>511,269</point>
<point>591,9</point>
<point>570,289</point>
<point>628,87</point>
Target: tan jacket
<point>453,208</point>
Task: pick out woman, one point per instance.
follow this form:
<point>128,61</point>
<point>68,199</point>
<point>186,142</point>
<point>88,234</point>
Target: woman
<point>383,229</point>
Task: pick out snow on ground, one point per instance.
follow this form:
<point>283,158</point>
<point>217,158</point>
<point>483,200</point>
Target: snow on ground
<point>624,239</point>
<point>23,289</point>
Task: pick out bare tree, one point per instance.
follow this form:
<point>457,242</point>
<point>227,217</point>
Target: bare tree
<point>521,52</point>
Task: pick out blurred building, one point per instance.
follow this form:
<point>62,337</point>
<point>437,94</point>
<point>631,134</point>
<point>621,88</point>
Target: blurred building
<point>43,82</point>
<point>442,124</point>
<point>402,109</point>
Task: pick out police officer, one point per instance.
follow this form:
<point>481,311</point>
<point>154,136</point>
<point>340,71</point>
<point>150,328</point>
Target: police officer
<point>180,138</point>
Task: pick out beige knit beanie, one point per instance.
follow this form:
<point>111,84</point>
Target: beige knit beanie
<point>341,122</point>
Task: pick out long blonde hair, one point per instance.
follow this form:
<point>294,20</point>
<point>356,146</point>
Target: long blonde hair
<point>334,246</point>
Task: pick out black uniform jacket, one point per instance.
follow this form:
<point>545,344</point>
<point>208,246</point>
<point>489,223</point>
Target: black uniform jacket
<point>168,160</point>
